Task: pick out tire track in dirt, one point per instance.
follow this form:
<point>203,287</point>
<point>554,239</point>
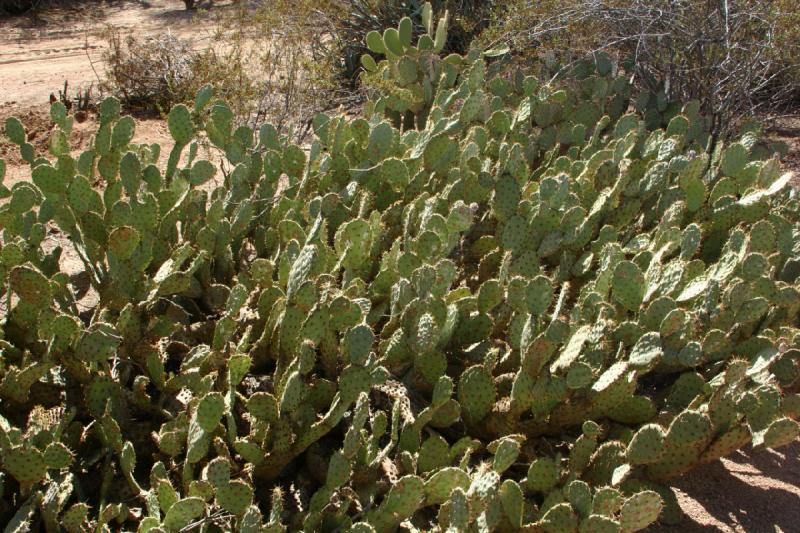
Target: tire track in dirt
<point>37,57</point>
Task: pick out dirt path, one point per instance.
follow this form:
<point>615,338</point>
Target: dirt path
<point>38,56</point>
<point>748,492</point>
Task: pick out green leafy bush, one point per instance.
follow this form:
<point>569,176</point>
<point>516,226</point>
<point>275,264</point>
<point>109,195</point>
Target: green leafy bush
<point>488,304</point>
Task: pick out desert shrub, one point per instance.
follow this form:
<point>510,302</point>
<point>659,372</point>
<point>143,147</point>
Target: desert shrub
<point>155,73</point>
<point>35,8</point>
<point>289,57</point>
<point>736,58</point>
<point>280,61</point>
<point>266,61</point>
<point>489,303</point>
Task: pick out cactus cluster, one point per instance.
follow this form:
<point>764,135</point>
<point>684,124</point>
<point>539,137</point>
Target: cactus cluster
<point>490,303</point>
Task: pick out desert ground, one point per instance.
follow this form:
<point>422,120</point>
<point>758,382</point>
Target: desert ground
<point>753,491</point>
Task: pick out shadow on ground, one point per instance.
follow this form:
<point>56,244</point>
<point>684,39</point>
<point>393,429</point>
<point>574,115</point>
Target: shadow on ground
<point>751,491</point>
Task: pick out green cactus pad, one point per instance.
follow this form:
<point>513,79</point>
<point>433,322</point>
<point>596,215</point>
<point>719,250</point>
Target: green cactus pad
<point>403,499</point>
<point>294,392</point>
<point>182,512</point>
<point>353,381</point>
<point>443,482</point>
<point>123,241</point>
<point>235,497</point>
<point>439,152</point>
<point>391,41</point>
<point>209,411</point>
<point>628,285</point>
<point>122,133</point>
<point>539,295</point>
<point>505,454</point>
<point>543,474</point>
<point>476,393</point>
<point>201,172</point>
<point>180,124</point>
<point>559,519</point>
<point>647,352</point>
<point>368,62</point>
<point>640,510</point>
<point>375,42</point>
<point>57,456</point>
<point>30,285</point>
<point>647,445</point>
<point>599,524</point>
<point>27,465</point>
<point>405,27</point>
<point>781,432</point>
<point>358,343</point>
<point>218,472</point>
<point>15,131</point>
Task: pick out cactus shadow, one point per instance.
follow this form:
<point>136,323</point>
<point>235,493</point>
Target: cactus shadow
<point>781,463</point>
<point>180,13</point>
<point>752,490</point>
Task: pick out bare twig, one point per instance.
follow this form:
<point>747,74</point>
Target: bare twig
<point>723,54</point>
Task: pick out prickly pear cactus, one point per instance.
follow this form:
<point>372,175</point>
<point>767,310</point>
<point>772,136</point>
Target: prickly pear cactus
<point>494,302</point>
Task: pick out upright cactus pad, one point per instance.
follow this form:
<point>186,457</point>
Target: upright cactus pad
<point>180,124</point>
<point>476,393</point>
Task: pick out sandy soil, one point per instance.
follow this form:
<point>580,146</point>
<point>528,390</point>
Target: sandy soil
<point>749,492</point>
<point>38,55</point>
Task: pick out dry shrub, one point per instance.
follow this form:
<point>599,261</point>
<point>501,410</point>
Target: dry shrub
<point>15,7</point>
<point>270,63</point>
<point>288,50</point>
<point>736,57</point>
<point>154,73</point>
<point>29,7</point>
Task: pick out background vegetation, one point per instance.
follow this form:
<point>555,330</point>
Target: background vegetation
<point>290,58</point>
<point>737,58</point>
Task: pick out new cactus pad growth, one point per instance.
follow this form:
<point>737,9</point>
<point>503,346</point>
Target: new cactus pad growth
<point>490,303</point>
